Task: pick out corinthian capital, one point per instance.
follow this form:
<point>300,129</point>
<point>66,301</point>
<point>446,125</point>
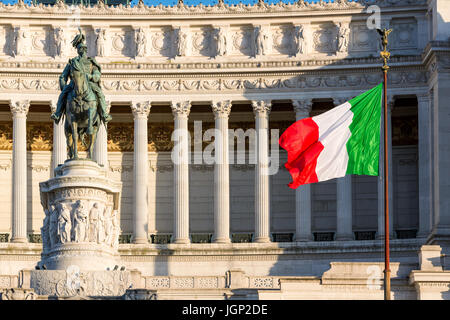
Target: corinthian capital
<point>181,109</point>
<point>339,101</point>
<point>302,107</point>
<point>262,107</point>
<point>19,108</point>
<point>140,109</point>
<point>221,109</point>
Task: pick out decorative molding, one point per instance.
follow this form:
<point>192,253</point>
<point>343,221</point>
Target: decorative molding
<point>220,8</point>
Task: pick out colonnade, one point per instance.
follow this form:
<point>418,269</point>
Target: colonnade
<point>221,110</point>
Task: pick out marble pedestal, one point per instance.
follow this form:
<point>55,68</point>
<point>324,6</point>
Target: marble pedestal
<point>81,225</point>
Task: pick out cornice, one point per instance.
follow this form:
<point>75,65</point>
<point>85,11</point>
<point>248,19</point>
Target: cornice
<point>220,8</point>
<point>229,67</point>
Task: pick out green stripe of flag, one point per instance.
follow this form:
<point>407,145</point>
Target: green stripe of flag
<point>363,147</point>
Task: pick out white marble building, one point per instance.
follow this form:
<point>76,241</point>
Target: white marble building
<point>237,67</point>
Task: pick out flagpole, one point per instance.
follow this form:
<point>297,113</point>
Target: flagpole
<point>385,55</point>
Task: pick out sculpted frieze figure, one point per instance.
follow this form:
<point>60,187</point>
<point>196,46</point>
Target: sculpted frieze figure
<point>115,229</point>
<point>221,42</point>
<point>141,43</point>
<point>108,226</point>
<point>45,230</point>
<point>81,100</point>
<point>94,223</point>
<point>260,41</point>
<point>22,38</point>
<point>299,40</point>
<point>181,42</point>
<point>101,42</point>
<point>101,226</point>
<point>53,228</point>
<point>343,38</point>
<point>80,217</point>
<point>64,223</point>
<point>60,42</point>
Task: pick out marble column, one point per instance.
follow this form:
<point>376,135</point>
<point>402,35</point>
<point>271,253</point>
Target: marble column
<point>180,157</point>
<point>425,165</point>
<point>303,232</point>
<point>221,111</point>
<point>140,173</point>
<point>261,110</point>
<point>19,111</point>
<point>59,139</point>
<point>344,230</point>
<point>344,227</point>
<point>380,234</point>
<point>101,144</point>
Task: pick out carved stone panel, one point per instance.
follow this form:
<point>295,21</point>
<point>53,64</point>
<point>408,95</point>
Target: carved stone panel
<point>241,39</point>
<point>405,35</point>
<point>122,42</point>
<point>325,38</point>
<point>361,38</point>
<point>160,42</point>
<point>202,42</point>
<point>282,39</point>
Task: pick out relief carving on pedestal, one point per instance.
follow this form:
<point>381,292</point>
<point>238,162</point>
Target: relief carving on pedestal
<point>79,221</point>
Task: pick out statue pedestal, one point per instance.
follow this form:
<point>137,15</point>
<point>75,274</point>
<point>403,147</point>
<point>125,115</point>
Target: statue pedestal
<point>81,228</point>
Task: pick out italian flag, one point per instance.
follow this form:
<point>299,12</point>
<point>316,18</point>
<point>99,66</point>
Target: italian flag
<point>344,140</point>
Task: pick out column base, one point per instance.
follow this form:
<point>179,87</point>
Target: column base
<point>181,241</point>
<point>140,240</point>
<point>344,237</point>
<point>303,239</point>
<point>221,240</point>
<point>262,240</point>
<point>19,240</point>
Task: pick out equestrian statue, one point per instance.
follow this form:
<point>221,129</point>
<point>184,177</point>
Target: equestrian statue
<point>81,100</point>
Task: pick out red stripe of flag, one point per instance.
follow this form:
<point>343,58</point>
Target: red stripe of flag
<point>301,141</point>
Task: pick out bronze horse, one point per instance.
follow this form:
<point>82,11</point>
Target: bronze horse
<point>81,114</point>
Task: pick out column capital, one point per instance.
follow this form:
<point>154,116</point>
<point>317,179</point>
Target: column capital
<point>181,108</point>
<point>221,109</point>
<point>261,107</point>
<point>140,108</point>
<point>302,106</point>
<point>340,100</point>
<point>423,97</point>
<point>19,108</point>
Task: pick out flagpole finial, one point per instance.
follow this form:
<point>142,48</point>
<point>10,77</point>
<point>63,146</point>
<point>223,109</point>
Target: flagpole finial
<point>385,54</point>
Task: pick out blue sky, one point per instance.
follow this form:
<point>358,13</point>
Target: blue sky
<point>190,2</point>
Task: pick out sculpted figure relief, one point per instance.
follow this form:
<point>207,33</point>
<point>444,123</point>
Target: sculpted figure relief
<point>181,41</point>
<point>101,226</point>
<point>22,42</point>
<point>299,39</point>
<point>221,42</point>
<point>101,43</point>
<point>343,35</point>
<point>141,39</point>
<point>80,217</point>
<point>94,223</point>
<point>108,226</point>
<point>260,41</point>
<point>53,228</point>
<point>64,223</point>
<point>115,229</point>
<point>60,42</point>
<point>45,230</point>
<point>81,100</point>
